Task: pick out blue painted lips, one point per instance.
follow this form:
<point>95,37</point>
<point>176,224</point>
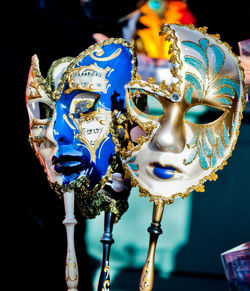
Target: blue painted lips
<point>68,165</point>
<point>163,172</point>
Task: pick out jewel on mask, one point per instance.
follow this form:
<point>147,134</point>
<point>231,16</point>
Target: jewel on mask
<point>174,97</point>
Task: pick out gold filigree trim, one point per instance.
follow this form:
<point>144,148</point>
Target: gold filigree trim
<point>50,75</point>
<point>169,34</point>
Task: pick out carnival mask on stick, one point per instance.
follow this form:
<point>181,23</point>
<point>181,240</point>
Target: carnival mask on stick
<point>173,156</point>
<point>70,115</point>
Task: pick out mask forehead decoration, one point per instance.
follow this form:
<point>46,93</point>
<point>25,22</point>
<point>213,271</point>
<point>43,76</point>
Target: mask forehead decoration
<point>71,113</point>
<point>174,156</point>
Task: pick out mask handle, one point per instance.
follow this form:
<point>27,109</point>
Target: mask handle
<point>71,269</point>
<point>106,240</point>
<point>147,276</point>
<point>118,185</point>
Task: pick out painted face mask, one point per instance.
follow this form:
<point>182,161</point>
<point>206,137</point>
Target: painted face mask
<point>70,116</point>
<point>173,156</point>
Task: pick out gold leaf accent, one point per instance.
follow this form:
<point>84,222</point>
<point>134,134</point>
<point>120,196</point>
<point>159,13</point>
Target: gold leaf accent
<point>216,35</point>
<point>141,193</point>
<point>174,72</point>
<point>137,76</point>
<point>224,163</point>
<point>201,29</point>
<point>163,85</point>
<point>172,88</point>
<point>168,37</point>
<point>173,59</point>
<point>171,49</point>
<point>151,80</point>
<point>213,177</point>
<point>141,139</point>
<point>200,188</point>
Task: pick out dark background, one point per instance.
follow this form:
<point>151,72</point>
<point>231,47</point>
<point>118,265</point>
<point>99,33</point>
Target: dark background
<point>35,237</point>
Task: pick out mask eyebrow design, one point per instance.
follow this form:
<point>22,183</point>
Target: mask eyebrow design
<point>205,74</point>
<point>224,101</point>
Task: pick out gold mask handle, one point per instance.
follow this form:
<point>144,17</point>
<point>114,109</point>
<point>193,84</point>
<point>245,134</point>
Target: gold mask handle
<point>147,276</point>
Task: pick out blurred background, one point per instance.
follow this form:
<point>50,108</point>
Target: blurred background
<point>195,230</point>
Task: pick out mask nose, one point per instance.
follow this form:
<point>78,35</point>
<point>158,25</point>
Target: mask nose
<point>171,136</point>
<point>63,129</point>
<point>62,133</point>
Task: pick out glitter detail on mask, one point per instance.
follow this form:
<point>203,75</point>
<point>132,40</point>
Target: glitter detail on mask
<point>206,146</point>
<point>226,135</point>
<point>203,160</point>
<point>210,136</point>
<point>221,147</point>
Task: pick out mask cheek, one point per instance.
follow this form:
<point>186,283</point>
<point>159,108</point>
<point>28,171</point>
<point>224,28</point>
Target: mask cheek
<point>37,136</point>
<point>42,143</point>
<point>207,146</point>
<point>40,113</point>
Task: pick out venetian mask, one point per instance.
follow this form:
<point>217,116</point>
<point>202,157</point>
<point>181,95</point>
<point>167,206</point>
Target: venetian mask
<point>171,156</point>
<point>71,113</point>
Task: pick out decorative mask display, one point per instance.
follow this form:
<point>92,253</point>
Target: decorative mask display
<point>70,115</point>
<point>172,156</point>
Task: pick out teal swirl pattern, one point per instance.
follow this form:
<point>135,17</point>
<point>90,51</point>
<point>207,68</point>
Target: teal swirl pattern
<point>207,73</point>
<point>208,146</point>
<point>204,79</point>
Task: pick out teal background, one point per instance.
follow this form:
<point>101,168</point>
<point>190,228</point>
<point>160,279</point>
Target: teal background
<point>196,231</point>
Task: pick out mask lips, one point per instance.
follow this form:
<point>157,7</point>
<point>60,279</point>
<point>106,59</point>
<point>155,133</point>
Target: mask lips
<point>68,165</point>
<point>164,172</point>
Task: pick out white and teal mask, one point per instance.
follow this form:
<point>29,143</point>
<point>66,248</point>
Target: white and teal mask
<point>174,156</point>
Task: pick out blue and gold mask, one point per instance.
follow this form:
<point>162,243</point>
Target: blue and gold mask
<point>71,111</point>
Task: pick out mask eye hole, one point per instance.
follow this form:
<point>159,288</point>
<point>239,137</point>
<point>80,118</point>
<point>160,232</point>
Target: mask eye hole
<point>154,106</point>
<point>147,103</point>
<point>203,114</point>
<point>139,100</point>
<point>83,106</point>
<point>40,110</point>
<point>84,102</point>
